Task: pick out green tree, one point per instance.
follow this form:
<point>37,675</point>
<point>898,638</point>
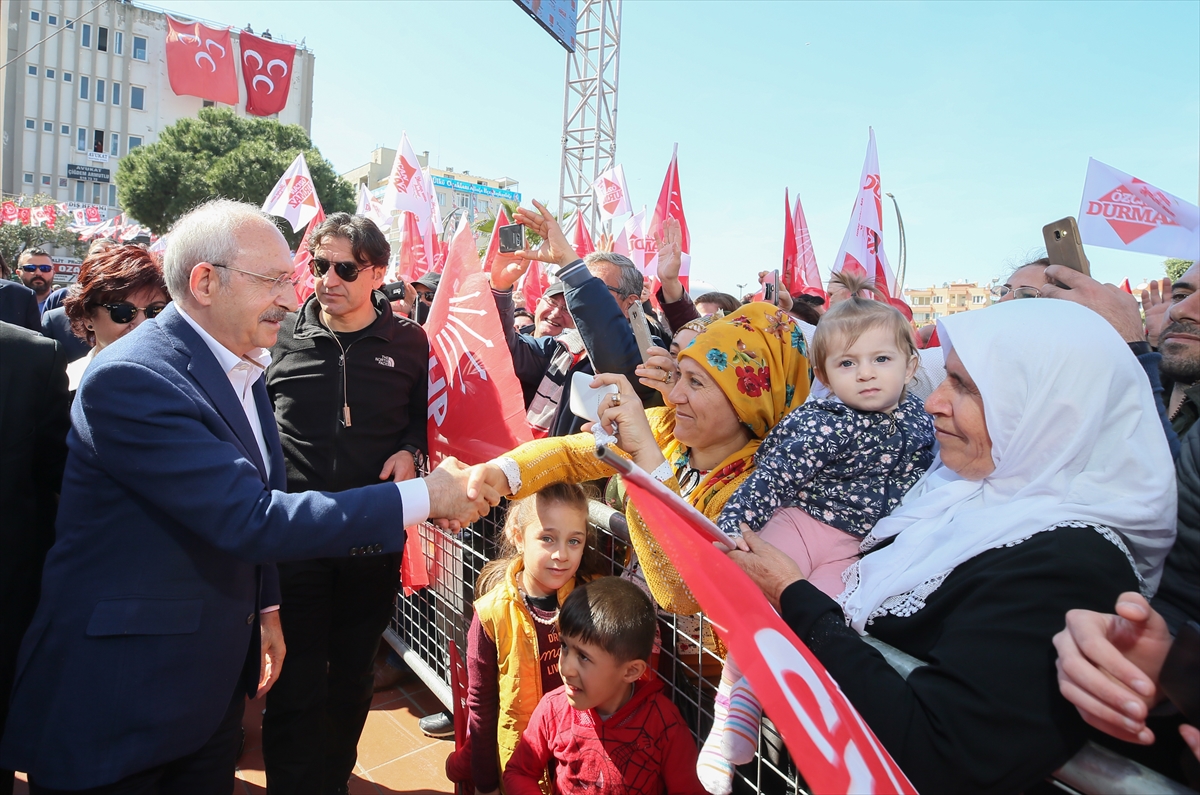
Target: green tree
<point>15,238</point>
<point>221,154</point>
<point>1176,267</point>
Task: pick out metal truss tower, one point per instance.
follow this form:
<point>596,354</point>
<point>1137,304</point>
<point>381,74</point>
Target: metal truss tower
<point>589,137</point>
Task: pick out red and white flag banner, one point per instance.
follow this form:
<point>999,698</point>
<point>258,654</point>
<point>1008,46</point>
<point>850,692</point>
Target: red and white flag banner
<point>8,212</point>
<point>833,748</point>
<point>670,204</point>
<point>294,196</point>
<point>806,258</point>
<point>406,187</point>
<point>414,261</point>
<point>582,242</point>
<point>200,62</point>
<point>862,247</point>
<point>306,282</point>
<point>370,207</point>
<point>534,284</point>
<point>790,279</point>
<point>267,73</point>
<point>612,195</point>
<point>476,411</point>
<point>1123,212</point>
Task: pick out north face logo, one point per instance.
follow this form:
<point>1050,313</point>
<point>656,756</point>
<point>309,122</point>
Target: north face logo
<point>386,361</point>
<point>1128,216</point>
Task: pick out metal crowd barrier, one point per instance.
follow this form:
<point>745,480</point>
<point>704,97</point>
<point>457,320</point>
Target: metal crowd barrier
<point>424,623</point>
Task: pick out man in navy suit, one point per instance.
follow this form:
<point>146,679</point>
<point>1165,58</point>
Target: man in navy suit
<point>133,674</point>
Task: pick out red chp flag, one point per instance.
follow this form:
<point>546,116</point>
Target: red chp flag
<point>1123,212</point>
<point>306,282</point>
<point>806,266</point>
<point>790,273</point>
<point>833,748</point>
<point>494,241</point>
<point>862,247</point>
<point>1125,286</point>
<point>582,243</point>
<point>200,62</point>
<point>476,411</point>
<point>267,72</point>
<point>670,205</point>
<point>534,284</point>
<point>414,261</point>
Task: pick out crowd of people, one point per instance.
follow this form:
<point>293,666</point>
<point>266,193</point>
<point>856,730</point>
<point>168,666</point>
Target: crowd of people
<point>206,485</point>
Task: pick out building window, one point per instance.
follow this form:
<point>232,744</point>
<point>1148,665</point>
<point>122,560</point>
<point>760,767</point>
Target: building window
<point>441,200</point>
<point>99,90</point>
<point>81,140</point>
<point>208,103</point>
<point>69,24</point>
<point>112,195</point>
<point>83,87</point>
<point>34,16</point>
<point>977,299</point>
<point>95,193</point>
<point>30,124</point>
<point>137,98</point>
<point>85,35</point>
<point>79,197</point>
<point>51,19</point>
<point>139,48</point>
<point>62,182</point>
<point>938,299</point>
<point>50,75</point>
<point>118,42</point>
<point>134,142</point>
<point>116,94</point>
<point>32,71</point>
<point>67,78</point>
<point>65,129</point>
<point>48,126</point>
<point>115,148</point>
<point>98,141</point>
<point>46,181</point>
<point>28,178</point>
<point>102,39</point>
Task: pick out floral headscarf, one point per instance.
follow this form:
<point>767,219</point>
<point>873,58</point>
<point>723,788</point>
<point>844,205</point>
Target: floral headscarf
<point>759,358</point>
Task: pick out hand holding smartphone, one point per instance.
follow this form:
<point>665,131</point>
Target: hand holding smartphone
<point>1063,246</point>
<point>512,238</point>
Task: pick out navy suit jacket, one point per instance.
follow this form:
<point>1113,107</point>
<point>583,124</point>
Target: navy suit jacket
<point>148,619</point>
<point>18,305</point>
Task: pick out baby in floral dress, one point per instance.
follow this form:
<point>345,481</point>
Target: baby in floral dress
<point>823,477</point>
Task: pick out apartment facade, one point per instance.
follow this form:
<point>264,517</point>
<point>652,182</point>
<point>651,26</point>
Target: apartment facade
<point>92,87</point>
<point>930,304</point>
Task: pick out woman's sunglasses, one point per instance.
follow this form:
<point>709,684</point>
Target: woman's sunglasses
<point>346,271</point>
<point>124,312</point>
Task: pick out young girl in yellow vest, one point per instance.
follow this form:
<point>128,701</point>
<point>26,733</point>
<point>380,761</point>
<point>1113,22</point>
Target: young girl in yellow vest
<point>512,645</point>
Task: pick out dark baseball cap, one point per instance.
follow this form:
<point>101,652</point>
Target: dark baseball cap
<point>430,280</point>
<point>558,288</point>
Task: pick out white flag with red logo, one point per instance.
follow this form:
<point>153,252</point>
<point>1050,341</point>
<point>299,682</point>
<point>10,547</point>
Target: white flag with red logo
<point>862,247</point>
<point>406,187</point>
<point>306,282</point>
<point>294,196</point>
<point>1123,212</point>
<point>612,195</point>
<point>267,72</point>
<point>833,748</point>
<point>370,207</point>
<point>806,258</point>
<point>476,409</point>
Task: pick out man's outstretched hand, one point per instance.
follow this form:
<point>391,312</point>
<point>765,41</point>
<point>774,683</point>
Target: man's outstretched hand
<point>453,495</point>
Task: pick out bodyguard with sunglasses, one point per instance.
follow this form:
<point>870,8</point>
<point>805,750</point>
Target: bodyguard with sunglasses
<point>36,270</point>
<point>348,380</point>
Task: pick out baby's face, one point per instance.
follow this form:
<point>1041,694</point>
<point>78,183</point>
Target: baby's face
<point>870,374</point>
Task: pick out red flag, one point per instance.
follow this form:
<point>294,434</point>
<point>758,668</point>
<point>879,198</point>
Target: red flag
<point>670,205</point>
<point>494,241</point>
<point>862,247</point>
<point>24,215</point>
<point>790,277</point>
<point>267,72</point>
<point>582,243</point>
<point>476,411</point>
<point>306,282</point>
<point>1125,286</point>
<point>534,284</point>
<point>440,250</point>
<point>200,62</point>
<point>413,262</point>
<point>806,267</point>
<point>833,748</point>
<point>414,567</point>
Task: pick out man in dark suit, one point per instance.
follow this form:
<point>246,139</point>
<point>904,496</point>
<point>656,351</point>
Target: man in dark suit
<point>34,420</point>
<point>146,641</point>
<point>18,305</point>
<point>57,326</point>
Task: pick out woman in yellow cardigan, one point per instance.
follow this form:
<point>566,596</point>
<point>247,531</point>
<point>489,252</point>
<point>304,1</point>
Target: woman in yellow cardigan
<point>735,381</point>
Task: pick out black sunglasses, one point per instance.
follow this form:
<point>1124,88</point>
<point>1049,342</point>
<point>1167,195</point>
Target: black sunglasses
<point>32,268</point>
<point>124,312</point>
<point>346,271</point>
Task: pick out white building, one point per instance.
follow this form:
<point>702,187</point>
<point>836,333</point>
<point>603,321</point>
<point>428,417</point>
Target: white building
<point>92,86</point>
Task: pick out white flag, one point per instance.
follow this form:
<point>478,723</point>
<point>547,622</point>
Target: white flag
<point>294,196</point>
<point>612,196</point>
<point>370,207</point>
<point>1123,212</point>
<point>406,191</point>
<point>862,247</point>
<point>636,242</point>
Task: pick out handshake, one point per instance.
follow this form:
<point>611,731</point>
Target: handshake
<point>459,494</point>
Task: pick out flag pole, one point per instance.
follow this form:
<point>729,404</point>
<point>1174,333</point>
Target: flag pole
<point>903,250</point>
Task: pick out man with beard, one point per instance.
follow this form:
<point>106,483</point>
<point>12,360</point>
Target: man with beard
<point>36,270</point>
<point>1179,344</point>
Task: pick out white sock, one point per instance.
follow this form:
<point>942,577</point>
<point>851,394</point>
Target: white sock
<point>712,768</point>
<point>739,741</point>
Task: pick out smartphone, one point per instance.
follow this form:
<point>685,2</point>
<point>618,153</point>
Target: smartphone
<point>771,288</point>
<point>512,238</point>
<point>1180,676</point>
<point>585,401</point>
<point>641,330</point>
<point>1063,246</point>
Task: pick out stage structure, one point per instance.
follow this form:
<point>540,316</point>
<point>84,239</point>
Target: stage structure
<point>589,137</point>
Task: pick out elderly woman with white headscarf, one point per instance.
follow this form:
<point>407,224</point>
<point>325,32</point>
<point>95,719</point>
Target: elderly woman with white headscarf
<point>1054,489</point>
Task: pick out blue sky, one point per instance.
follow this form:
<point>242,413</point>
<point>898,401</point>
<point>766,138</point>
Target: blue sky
<point>985,114</point>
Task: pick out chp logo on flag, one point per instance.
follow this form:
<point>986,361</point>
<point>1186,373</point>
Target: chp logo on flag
<point>1123,212</point>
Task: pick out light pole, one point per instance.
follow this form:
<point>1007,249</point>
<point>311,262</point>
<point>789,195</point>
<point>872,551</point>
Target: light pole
<point>903,248</point>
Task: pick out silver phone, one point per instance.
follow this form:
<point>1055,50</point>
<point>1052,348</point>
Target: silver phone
<point>641,330</point>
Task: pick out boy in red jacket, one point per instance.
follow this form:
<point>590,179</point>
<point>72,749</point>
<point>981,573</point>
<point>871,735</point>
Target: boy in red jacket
<point>606,731</point>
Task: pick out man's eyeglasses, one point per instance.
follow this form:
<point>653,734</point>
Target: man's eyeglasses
<point>1002,290</point>
<point>32,268</point>
<point>124,312</point>
<point>560,305</point>
<point>277,283</point>
<point>346,271</point>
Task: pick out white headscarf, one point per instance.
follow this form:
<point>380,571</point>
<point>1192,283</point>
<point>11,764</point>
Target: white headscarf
<point>1075,436</point>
